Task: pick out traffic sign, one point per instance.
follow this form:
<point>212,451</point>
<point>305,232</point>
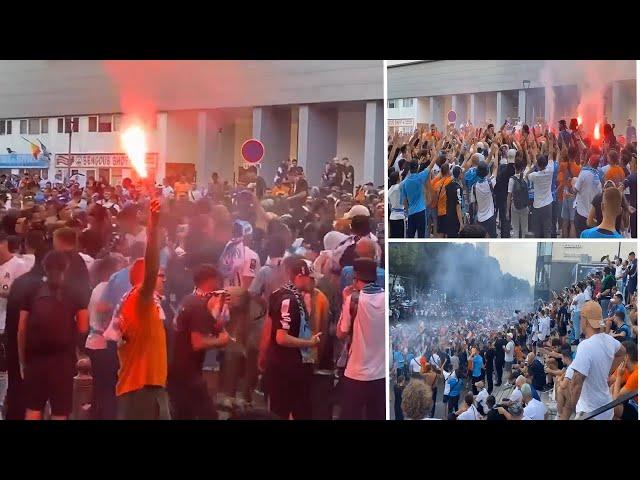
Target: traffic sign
<point>451,116</point>
<point>252,150</point>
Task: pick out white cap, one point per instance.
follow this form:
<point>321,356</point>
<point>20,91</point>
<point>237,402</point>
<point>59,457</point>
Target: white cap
<point>357,210</point>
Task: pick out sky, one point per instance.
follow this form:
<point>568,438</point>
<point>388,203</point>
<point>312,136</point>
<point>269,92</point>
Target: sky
<point>516,258</point>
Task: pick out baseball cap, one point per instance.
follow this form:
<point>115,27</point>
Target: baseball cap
<point>365,269</point>
<point>300,267</point>
<point>592,313</point>
<point>241,228</point>
<point>357,210</point>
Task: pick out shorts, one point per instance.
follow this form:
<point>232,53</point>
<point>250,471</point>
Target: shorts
<point>568,212</point>
<point>50,378</point>
<point>442,224</point>
<point>147,403</point>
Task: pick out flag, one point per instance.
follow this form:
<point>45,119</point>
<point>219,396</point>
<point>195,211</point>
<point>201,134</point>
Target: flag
<point>45,153</point>
<point>35,149</point>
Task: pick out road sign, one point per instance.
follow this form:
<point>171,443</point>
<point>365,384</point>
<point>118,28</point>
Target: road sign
<point>451,116</point>
<point>252,150</point>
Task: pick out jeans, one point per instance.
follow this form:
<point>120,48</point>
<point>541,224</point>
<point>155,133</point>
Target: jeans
<point>431,221</point>
<point>554,219</point>
<point>452,404</point>
<point>542,218</point>
<point>104,368</point>
<point>505,227</point>
<point>416,223</point>
<point>520,221</point>
<point>580,223</point>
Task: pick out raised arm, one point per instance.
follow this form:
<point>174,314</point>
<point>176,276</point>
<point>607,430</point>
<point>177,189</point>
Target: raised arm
<point>152,253</point>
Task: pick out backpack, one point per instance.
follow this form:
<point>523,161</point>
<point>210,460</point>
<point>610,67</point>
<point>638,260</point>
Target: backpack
<point>55,333</point>
<point>520,193</point>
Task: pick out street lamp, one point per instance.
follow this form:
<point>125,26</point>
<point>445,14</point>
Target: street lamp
<point>525,85</point>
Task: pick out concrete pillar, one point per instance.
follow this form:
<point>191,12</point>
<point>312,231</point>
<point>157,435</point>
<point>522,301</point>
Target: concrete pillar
<point>502,109</point>
<point>437,116</point>
<point>161,135</point>
<point>271,126</point>
<point>477,109</point>
<point>549,105</point>
<point>201,158</point>
<point>350,137</point>
<point>623,106</point>
<point>522,105</point>
<point>317,139</point>
<point>423,110</point>
<point>459,105</point>
<point>373,143</point>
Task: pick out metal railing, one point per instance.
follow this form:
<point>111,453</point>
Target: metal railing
<point>610,405</point>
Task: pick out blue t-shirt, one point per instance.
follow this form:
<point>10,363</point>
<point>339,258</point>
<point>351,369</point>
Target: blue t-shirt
<point>348,274</point>
<point>471,177</point>
<point>455,386</point>
<point>398,359</point>
<point>624,328</point>
<point>596,232</point>
<point>477,366</point>
<point>119,284</point>
<point>412,189</point>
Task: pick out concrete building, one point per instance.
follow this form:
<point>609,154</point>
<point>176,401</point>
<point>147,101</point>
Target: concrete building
<point>197,115</point>
<point>558,264</point>
<point>532,91</point>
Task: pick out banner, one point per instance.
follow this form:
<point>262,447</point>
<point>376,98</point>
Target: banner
<point>102,160</point>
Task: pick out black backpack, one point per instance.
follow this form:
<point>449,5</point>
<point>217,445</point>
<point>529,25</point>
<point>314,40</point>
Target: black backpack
<point>349,254</point>
<point>46,333</point>
<point>520,192</point>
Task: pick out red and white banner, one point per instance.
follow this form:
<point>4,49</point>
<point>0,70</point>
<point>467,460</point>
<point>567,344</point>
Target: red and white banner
<point>102,160</point>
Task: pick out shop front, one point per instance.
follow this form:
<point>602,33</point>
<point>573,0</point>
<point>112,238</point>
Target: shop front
<point>112,168</point>
<point>21,163</point>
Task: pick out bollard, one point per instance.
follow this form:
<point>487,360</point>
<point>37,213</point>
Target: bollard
<point>82,391</point>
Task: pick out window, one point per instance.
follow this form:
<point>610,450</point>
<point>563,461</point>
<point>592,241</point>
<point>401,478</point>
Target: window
<point>76,124</point>
<point>93,124</point>
<point>104,123</point>
<point>117,119</point>
<point>407,102</point>
<point>8,127</point>
<point>2,127</point>
<point>44,125</point>
<point>23,127</point>
<point>60,125</point>
<point>392,103</point>
<point>34,126</point>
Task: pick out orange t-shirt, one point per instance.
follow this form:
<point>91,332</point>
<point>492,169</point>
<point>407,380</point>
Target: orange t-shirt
<point>143,349</point>
<point>632,381</point>
<point>564,178</point>
<point>439,199</point>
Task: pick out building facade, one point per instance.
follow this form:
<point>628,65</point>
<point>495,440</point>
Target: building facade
<point>196,116</point>
<point>492,91</point>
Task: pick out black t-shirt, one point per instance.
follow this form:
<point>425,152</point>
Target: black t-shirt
<point>77,279</point>
<point>286,315</point>
<point>494,415</point>
<point>454,197</point>
<point>505,172</point>
<point>349,174</point>
<point>261,186</point>
<point>51,334</point>
<point>489,355</point>
<point>597,204</point>
<point>499,351</point>
<point>193,316</point>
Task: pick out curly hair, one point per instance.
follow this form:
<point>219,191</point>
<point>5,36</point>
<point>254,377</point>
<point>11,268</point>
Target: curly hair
<point>416,400</point>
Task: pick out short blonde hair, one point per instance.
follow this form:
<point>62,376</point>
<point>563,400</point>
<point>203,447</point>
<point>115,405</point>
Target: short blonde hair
<point>416,400</point>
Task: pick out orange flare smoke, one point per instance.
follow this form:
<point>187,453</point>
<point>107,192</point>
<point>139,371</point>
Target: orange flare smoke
<point>135,144</point>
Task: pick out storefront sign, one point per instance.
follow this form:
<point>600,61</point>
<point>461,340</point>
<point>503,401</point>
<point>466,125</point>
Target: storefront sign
<point>102,160</point>
<point>22,160</point>
<point>401,122</point>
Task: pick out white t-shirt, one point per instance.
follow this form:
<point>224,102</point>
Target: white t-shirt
<point>508,352</point>
<point>542,186</point>
<point>594,358</point>
<point>484,199</point>
<point>9,271</point>
<point>516,395</point>
<point>470,413</point>
<point>581,298</point>
<point>447,387</point>
<point>481,399</point>
<point>434,360</point>
<point>96,341</point>
<point>246,264</point>
<point>534,410</point>
<point>544,327</point>
<point>396,209</point>
<point>366,360</point>
<point>588,186</point>
<point>415,366</point>
<point>619,271</point>
<point>29,259</point>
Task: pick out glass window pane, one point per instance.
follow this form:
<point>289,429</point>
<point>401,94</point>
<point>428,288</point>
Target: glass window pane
<point>34,126</point>
<point>104,123</point>
<point>2,127</point>
<point>93,124</point>
<point>23,127</point>
<point>44,125</point>
<point>116,122</point>
<point>60,125</point>
<point>9,126</point>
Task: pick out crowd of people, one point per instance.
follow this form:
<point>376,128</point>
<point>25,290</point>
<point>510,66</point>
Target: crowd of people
<point>184,300</point>
<point>565,359</point>
<point>516,182</point>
